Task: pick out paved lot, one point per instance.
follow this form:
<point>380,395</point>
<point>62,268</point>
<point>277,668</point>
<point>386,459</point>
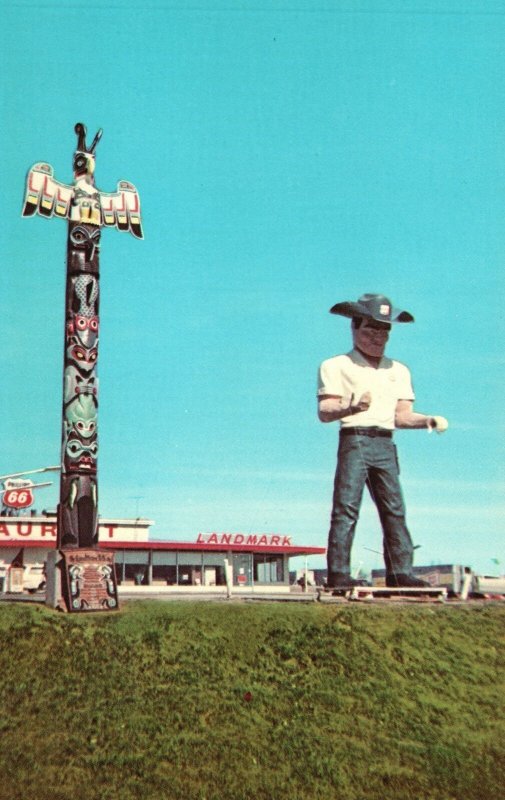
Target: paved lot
<point>298,597</point>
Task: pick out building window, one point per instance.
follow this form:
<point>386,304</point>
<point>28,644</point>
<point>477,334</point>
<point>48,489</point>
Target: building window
<point>213,569</point>
<point>189,569</point>
<point>268,569</point>
<point>165,568</point>
<point>135,567</point>
<point>242,569</point>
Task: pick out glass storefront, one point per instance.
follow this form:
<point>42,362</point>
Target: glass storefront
<point>268,569</point>
<point>133,565</point>
<point>242,569</point>
<point>190,568</point>
<point>189,572</point>
<point>213,569</point>
<point>164,567</point>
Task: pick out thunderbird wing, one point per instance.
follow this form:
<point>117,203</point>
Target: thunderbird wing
<point>44,195</point>
<point>122,209</point>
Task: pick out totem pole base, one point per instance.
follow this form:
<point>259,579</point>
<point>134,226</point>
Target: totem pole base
<point>81,580</point>
<point>54,597</point>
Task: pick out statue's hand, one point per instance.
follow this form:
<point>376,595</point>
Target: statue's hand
<point>363,403</point>
<point>438,424</point>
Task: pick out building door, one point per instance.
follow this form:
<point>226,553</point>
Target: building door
<point>242,569</point>
<point>209,576</point>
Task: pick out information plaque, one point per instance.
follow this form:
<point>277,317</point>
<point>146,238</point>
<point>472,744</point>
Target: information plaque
<point>88,580</point>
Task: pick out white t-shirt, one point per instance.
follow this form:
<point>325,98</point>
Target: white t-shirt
<point>350,376</point>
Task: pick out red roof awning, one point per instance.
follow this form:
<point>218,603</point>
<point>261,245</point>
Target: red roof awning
<point>50,544</point>
<point>290,550</point>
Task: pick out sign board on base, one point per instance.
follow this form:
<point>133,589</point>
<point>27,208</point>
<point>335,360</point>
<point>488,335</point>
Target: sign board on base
<point>89,580</point>
<point>82,580</point>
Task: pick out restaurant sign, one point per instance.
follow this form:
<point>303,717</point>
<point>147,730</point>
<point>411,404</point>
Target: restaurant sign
<point>26,528</point>
<point>247,539</point>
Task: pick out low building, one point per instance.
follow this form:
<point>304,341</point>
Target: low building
<point>451,576</point>
<point>258,561</point>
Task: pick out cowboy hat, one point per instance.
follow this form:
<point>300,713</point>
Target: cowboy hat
<point>372,306</point>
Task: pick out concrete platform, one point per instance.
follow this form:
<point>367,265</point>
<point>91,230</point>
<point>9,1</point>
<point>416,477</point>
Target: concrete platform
<point>439,593</point>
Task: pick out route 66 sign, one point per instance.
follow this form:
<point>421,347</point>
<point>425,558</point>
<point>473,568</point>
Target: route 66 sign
<point>18,494</point>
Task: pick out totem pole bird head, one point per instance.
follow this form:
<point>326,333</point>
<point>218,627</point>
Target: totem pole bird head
<point>84,157</point>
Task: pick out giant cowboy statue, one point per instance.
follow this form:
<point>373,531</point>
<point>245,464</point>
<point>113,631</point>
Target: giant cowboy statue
<point>370,395</point>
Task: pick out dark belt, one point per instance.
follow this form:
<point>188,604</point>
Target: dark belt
<point>371,431</point>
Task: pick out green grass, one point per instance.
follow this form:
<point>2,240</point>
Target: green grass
<point>224,701</point>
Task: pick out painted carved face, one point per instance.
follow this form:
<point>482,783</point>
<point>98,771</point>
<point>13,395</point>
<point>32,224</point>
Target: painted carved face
<point>84,357</point>
<point>81,417</point>
<point>85,329</point>
<point>85,323</point>
<point>85,428</point>
<point>80,455</point>
<point>84,164</point>
<point>83,238</point>
<point>371,337</point>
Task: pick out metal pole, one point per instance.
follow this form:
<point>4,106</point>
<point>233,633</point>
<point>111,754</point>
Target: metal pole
<point>228,577</point>
<point>29,472</point>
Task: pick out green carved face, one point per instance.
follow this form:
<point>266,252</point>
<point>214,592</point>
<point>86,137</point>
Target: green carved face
<point>81,416</point>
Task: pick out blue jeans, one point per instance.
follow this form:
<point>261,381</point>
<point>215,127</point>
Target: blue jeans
<point>370,460</point>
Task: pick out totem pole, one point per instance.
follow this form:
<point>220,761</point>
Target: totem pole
<point>87,210</point>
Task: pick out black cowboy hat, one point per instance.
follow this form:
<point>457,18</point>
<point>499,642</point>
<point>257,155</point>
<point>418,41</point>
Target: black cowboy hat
<point>372,306</point>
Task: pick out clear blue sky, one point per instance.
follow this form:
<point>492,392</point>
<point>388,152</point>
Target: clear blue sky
<point>288,155</point>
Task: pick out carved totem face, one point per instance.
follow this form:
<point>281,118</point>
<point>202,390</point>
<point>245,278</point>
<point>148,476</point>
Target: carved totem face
<point>80,445</point>
<point>80,456</point>
<point>87,238</point>
<point>81,417</point>
<point>84,164</point>
<point>83,244</point>
<point>85,329</point>
<point>84,358</point>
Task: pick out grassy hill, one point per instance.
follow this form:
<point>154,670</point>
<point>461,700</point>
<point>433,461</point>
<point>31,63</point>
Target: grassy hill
<point>224,701</point>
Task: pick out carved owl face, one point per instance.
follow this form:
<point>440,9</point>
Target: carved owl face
<point>84,358</point>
